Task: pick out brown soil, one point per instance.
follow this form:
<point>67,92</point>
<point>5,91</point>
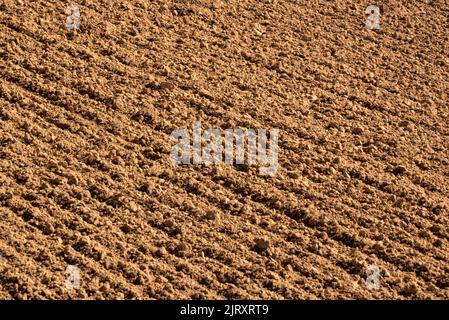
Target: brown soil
<point>85,171</point>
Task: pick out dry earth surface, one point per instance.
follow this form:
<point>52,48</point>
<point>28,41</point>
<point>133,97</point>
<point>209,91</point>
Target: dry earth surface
<point>86,177</point>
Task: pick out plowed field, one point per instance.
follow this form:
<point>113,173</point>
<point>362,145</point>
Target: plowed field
<point>86,178</point>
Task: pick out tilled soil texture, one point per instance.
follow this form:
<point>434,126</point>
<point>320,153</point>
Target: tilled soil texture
<point>86,177</point>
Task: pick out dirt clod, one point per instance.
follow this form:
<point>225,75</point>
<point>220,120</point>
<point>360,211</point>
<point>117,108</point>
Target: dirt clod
<point>262,244</point>
<point>88,120</point>
<point>212,215</point>
<point>169,223</point>
<point>357,130</point>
